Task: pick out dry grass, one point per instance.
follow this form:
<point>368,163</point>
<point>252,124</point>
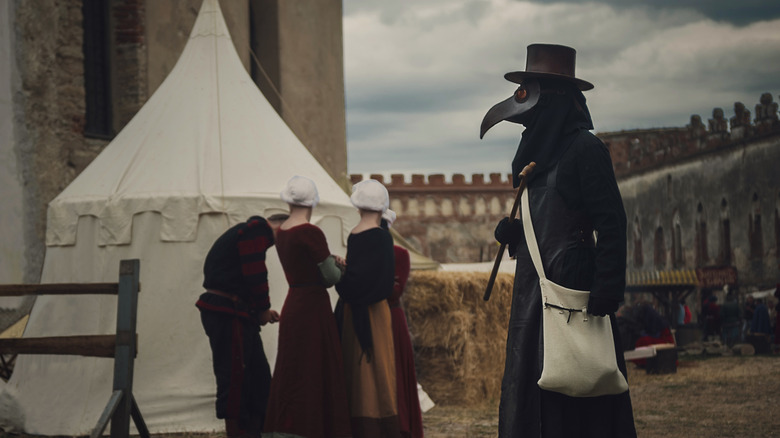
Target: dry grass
<point>459,339</point>
<point>460,342</point>
<point>460,346</point>
<point>707,397</point>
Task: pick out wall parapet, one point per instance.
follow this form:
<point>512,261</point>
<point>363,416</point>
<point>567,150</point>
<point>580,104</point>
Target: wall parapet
<point>635,151</point>
<point>450,221</point>
<point>437,183</point>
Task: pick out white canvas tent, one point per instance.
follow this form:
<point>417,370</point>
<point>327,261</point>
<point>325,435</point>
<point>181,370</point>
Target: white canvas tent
<point>206,151</point>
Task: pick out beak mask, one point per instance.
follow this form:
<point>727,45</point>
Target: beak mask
<point>516,109</point>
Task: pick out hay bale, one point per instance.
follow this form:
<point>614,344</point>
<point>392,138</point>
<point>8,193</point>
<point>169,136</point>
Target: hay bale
<point>459,339</point>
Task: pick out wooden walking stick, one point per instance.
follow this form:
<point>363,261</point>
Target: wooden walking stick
<point>523,174</point>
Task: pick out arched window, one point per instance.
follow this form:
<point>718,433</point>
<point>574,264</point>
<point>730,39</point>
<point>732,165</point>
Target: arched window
<point>659,250</point>
<point>412,207</point>
<point>777,227</point>
<point>430,206</point>
<point>97,69</point>
<point>480,206</point>
<point>677,252</point>
<point>701,237</point>
<point>446,207</point>
<point>495,206</point>
<point>638,258</point>
<point>754,229</point>
<point>397,205</point>
<point>464,208</point>
<point>724,240</point>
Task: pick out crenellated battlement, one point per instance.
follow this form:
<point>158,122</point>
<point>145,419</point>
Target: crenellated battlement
<point>437,183</point>
<point>435,198</point>
<point>451,221</point>
<point>635,151</point>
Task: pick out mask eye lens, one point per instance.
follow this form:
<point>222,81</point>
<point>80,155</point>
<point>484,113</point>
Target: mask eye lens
<point>521,94</point>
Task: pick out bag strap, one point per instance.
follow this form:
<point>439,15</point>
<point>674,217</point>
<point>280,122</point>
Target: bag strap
<point>530,236</point>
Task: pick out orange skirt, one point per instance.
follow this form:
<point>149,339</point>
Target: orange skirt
<point>371,386</point>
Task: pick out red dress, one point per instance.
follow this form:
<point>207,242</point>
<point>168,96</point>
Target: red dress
<point>307,396</point>
<point>409,411</point>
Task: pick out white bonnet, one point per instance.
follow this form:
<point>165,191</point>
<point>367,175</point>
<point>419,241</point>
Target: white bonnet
<point>389,216</point>
<point>300,191</point>
<point>370,195</point>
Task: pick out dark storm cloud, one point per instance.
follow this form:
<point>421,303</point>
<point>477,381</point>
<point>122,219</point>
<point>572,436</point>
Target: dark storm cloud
<point>405,97</point>
<point>737,12</point>
<point>421,74</point>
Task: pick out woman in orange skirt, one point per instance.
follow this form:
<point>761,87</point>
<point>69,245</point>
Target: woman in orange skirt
<point>364,317</point>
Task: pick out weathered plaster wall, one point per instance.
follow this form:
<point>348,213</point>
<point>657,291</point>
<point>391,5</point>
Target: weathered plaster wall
<point>49,148</point>
<point>451,222</point>
<point>737,183</point>
<point>302,54</point>
<point>167,29</point>
<point>11,194</point>
<point>49,106</point>
<point>679,179</point>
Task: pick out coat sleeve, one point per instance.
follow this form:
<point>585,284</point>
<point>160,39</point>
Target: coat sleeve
<point>253,241</point>
<point>604,205</point>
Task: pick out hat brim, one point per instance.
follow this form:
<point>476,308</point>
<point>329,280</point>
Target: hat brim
<point>518,77</point>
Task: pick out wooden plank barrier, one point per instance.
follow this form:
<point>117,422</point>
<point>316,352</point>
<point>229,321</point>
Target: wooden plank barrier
<point>122,346</point>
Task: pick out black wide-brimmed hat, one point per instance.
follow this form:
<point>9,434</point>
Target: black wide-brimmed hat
<point>549,61</point>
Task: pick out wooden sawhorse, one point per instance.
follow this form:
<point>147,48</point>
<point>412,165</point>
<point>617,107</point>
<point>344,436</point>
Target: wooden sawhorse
<point>122,346</point>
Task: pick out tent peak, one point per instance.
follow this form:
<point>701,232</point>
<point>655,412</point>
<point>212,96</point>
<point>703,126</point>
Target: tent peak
<point>210,21</point>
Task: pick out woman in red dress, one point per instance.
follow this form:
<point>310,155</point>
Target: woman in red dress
<point>409,412</point>
<point>307,395</point>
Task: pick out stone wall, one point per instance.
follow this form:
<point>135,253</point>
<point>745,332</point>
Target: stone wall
<point>449,221</point>
<point>696,196</point>
<point>300,46</point>
<point>129,67</point>
<point>637,151</point>
<point>11,192</point>
<point>49,106</point>
<point>146,37</point>
<point>704,196</point>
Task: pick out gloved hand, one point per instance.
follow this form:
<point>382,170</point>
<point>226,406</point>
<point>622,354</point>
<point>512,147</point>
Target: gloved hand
<point>600,306</point>
<point>507,231</point>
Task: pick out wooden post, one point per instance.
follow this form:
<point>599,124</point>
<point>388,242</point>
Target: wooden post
<point>122,346</point>
<point>127,308</point>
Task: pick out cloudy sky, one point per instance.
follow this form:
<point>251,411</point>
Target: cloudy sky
<point>420,74</point>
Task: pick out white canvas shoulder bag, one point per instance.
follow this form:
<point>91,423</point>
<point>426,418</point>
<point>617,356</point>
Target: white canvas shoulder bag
<point>579,352</point>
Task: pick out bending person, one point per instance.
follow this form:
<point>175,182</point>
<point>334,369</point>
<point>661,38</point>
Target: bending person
<point>234,306</point>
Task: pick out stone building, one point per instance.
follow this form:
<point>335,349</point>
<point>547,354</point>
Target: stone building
<point>697,197</point>
<point>73,73</point>
<point>449,221</point>
<point>704,199</point>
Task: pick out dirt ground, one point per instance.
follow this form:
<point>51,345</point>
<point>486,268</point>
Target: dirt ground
<point>707,397</point>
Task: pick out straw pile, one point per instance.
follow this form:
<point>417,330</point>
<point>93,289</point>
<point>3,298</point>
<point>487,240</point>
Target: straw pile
<point>459,339</point>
